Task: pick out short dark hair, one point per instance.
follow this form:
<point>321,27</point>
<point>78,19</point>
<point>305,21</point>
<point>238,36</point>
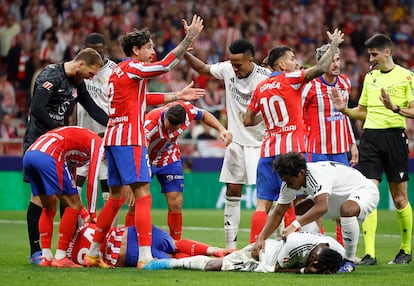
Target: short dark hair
<point>276,53</point>
<point>176,114</point>
<point>289,164</point>
<point>241,46</point>
<point>136,38</point>
<point>94,38</point>
<point>379,41</point>
<point>329,260</point>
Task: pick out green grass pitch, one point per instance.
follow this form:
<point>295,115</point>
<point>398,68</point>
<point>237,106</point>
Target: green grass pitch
<point>205,226</point>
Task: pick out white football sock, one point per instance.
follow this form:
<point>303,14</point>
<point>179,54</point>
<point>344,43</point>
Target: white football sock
<point>231,221</point>
<point>60,254</point>
<point>197,262</point>
<point>47,253</point>
<point>145,254</point>
<point>350,234</point>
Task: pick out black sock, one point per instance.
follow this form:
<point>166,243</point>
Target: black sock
<point>62,209</point>
<point>32,218</point>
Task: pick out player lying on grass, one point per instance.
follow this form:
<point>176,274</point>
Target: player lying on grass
<point>302,252</point>
<point>120,247</point>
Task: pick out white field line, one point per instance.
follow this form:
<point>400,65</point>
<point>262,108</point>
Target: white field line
<point>196,228</point>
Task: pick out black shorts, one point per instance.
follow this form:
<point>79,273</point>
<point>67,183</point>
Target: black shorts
<point>384,151</point>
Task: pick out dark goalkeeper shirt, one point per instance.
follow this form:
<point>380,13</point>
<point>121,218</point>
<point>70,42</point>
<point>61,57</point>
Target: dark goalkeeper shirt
<point>52,103</point>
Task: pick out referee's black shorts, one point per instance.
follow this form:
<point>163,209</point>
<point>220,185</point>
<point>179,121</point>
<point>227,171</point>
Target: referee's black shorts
<point>384,150</point>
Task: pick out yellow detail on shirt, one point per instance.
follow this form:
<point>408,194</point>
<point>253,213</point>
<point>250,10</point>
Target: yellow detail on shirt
<point>399,84</point>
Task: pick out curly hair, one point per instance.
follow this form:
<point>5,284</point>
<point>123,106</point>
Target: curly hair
<point>289,164</point>
<point>136,38</point>
<point>329,261</point>
<point>242,46</point>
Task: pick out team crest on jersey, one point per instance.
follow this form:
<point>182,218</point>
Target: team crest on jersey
<point>47,85</point>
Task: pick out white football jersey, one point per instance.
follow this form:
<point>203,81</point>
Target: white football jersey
<point>340,182</point>
<point>296,250</point>
<point>238,95</point>
<point>98,90</point>
<point>292,253</point>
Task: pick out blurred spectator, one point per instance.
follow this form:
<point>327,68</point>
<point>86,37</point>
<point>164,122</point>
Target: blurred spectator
<point>50,48</point>
<point>7,129</point>
<point>214,99</point>
<point>16,62</point>
<point>300,24</point>
<point>8,31</point>
<point>7,95</point>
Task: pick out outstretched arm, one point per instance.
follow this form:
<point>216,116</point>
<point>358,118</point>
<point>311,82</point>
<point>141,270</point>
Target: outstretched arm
<point>336,38</point>
<point>309,269</point>
<point>341,104</point>
<point>191,32</point>
<point>211,121</point>
<point>273,221</point>
<point>188,93</point>
<point>198,65</point>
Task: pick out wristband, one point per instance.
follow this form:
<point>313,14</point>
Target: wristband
<point>397,110</point>
<point>302,270</point>
<point>296,224</point>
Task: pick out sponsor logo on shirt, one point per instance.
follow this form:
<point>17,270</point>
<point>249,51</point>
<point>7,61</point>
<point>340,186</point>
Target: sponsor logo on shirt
<point>47,85</point>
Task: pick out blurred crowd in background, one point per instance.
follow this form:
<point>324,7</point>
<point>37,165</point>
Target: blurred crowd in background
<point>34,33</point>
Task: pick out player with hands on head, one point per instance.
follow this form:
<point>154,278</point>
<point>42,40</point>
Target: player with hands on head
<point>279,101</point>
<point>125,141</point>
<point>333,190</point>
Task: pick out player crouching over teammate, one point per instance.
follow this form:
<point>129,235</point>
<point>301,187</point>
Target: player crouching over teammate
<point>333,190</point>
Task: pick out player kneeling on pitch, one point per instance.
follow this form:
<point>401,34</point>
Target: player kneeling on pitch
<point>333,190</point>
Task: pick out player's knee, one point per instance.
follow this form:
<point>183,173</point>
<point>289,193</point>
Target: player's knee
<point>175,203</point>
<point>234,190</point>
<point>349,208</point>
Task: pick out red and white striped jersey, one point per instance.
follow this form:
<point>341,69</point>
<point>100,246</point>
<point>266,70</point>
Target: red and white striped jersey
<point>82,240</point>
<point>328,131</point>
<point>279,100</point>
<point>127,95</point>
<point>164,147</point>
<point>74,146</point>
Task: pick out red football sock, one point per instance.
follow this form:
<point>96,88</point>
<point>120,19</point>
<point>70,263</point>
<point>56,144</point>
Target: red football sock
<point>106,217</point>
<point>143,221</point>
<point>67,227</point>
<point>175,223</point>
<point>129,219</point>
<point>257,223</point>
<point>339,237</point>
<point>289,216</point>
<point>191,247</point>
<point>46,227</point>
<point>180,255</point>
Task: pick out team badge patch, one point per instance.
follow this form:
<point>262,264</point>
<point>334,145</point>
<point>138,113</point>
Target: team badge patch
<point>47,85</point>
